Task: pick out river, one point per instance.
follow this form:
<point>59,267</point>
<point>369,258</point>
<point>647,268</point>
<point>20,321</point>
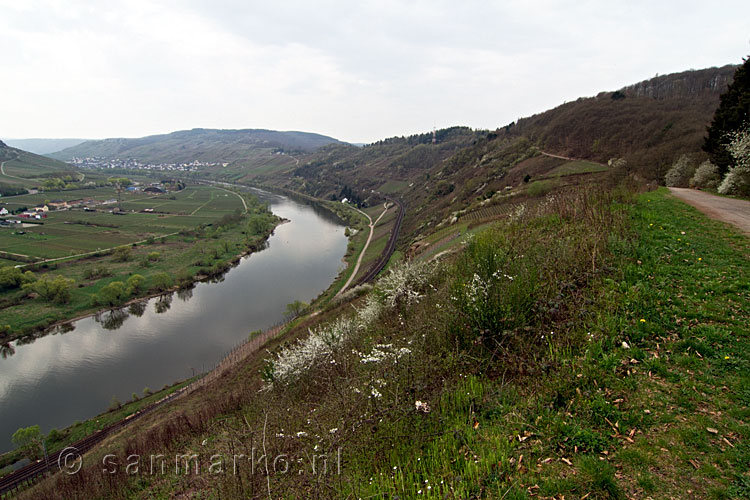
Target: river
<point>61,378</point>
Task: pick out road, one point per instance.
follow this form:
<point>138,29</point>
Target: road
<point>2,169</point>
<point>729,210</point>
<point>367,243</point>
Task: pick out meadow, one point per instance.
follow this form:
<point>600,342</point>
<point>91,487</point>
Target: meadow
<point>75,231</point>
<point>106,259</point>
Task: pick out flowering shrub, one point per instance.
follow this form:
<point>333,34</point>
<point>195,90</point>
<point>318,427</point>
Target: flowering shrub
<point>737,180</point>
<point>370,312</point>
<point>517,212</point>
<point>706,176</point>
<point>680,173</point>
<point>492,292</point>
<point>405,283</point>
<point>320,345</point>
<point>383,352</point>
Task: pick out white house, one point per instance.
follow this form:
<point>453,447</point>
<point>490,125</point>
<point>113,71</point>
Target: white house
<point>4,211</point>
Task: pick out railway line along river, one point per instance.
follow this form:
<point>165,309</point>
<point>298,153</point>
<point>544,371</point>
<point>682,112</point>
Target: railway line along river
<point>64,377</point>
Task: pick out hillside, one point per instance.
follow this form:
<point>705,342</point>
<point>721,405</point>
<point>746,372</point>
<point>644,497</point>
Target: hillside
<point>21,169</point>
<point>198,144</point>
<point>43,146</point>
<point>648,123</point>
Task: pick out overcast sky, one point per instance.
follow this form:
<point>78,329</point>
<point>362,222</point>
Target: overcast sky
<point>358,71</point>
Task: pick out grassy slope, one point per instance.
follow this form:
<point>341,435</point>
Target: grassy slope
<point>29,170</point>
<point>665,418</point>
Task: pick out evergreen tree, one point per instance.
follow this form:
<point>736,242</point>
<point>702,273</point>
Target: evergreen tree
<point>733,112</point>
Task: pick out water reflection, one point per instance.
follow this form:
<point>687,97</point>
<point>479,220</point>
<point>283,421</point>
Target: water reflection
<point>137,308</point>
<point>7,350</point>
<point>186,293</point>
<point>112,319</point>
<point>67,377</point>
<point>64,328</point>
<point>163,303</point>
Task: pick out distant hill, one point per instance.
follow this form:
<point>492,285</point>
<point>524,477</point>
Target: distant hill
<point>22,170</point>
<point>198,144</point>
<point>43,146</point>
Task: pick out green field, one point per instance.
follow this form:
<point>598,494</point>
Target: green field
<point>392,187</point>
<point>197,231</point>
<point>75,231</point>
<point>577,167</point>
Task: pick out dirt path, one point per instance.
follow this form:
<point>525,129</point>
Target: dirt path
<point>86,254</point>
<point>729,210</point>
<point>367,243</point>
<point>2,171</point>
<point>557,156</point>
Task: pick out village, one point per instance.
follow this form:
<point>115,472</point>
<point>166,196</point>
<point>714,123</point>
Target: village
<point>129,163</point>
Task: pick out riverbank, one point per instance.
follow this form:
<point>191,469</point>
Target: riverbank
<point>174,335</point>
<point>118,411</point>
<point>354,219</point>
<point>132,273</point>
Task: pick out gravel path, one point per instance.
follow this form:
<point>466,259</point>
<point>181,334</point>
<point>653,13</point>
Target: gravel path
<point>730,210</point>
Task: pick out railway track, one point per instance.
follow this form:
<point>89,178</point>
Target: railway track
<point>389,247</point>
<point>66,457</point>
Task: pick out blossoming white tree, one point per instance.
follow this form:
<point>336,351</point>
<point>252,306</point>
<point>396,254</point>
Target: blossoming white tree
<point>680,173</point>
<point>737,180</point>
<point>706,176</point>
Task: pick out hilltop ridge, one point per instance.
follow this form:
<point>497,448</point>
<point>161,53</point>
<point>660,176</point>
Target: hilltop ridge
<point>198,144</point>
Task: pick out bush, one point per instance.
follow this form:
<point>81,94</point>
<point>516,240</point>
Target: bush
<point>680,173</point>
<point>122,254</point>
<point>706,176</point>
<point>29,441</point>
<point>12,277</point>
<point>161,282</point>
<point>135,284</point>
<point>492,292</point>
<point>113,294</point>
<point>53,289</point>
<point>114,404</point>
<point>294,309</point>
<point>54,436</point>
<point>97,272</point>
